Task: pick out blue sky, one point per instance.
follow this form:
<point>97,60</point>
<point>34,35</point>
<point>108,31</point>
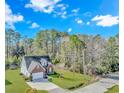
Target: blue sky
<point>73,16</point>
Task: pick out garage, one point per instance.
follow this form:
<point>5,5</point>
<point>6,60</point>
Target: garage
<point>38,75</point>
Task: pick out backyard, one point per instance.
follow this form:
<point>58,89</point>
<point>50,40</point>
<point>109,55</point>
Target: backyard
<point>15,83</point>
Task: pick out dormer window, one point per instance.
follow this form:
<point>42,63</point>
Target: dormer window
<point>43,62</point>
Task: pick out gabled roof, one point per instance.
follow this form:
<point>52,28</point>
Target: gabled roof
<point>29,59</point>
<point>33,66</point>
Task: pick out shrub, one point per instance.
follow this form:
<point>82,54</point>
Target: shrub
<point>61,76</point>
<point>15,60</point>
<point>55,75</point>
<point>55,61</point>
<point>20,74</point>
<point>28,78</point>
<point>7,66</point>
<point>30,90</point>
<point>71,88</point>
<point>114,67</point>
<point>101,70</point>
<point>12,60</point>
<point>50,79</point>
<point>9,60</point>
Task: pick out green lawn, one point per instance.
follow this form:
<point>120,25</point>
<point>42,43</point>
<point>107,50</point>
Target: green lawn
<point>15,83</point>
<point>70,80</point>
<point>114,89</point>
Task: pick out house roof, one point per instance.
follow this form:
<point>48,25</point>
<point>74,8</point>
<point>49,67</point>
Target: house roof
<point>33,66</point>
<point>29,59</point>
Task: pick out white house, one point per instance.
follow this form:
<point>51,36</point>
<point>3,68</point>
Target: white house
<point>36,66</point>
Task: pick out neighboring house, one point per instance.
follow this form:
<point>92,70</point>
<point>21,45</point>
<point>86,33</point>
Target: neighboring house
<point>36,66</point>
<point>13,66</point>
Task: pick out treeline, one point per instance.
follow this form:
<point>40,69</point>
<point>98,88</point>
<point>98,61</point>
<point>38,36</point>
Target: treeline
<point>79,53</point>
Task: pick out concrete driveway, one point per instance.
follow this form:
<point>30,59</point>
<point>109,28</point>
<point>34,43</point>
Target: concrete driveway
<point>44,84</point>
<point>100,86</point>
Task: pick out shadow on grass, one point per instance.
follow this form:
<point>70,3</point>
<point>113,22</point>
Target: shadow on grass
<point>7,82</point>
<point>70,79</point>
<point>55,75</point>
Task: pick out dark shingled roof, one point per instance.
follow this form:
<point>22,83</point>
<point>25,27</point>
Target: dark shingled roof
<point>29,59</point>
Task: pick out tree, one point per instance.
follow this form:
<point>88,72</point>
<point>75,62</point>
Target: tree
<point>19,51</point>
<point>79,46</point>
<point>42,39</point>
<point>29,45</point>
<point>17,37</point>
<point>9,41</point>
<point>113,49</point>
<point>12,38</point>
<point>80,53</point>
<point>83,48</point>
<point>7,44</point>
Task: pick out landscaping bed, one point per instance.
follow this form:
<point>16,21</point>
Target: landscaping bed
<point>70,80</point>
<point>14,82</point>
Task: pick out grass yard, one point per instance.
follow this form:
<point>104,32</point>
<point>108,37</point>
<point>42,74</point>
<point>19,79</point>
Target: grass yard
<point>14,82</point>
<point>70,80</point>
<point>114,89</point>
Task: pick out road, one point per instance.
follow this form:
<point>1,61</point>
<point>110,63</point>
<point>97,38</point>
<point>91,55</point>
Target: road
<point>100,86</point>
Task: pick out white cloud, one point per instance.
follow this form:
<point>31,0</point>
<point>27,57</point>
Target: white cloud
<point>106,21</point>
<point>62,6</point>
<point>46,6</point>
<point>62,14</point>
<point>61,11</point>
<point>79,21</point>
<point>53,7</point>
<point>75,10</point>
<point>88,23</point>
<point>28,22</point>
<point>87,14</point>
<point>34,25</point>
<point>11,18</point>
<point>69,30</point>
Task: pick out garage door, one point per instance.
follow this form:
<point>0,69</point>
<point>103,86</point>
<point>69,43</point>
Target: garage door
<point>37,75</point>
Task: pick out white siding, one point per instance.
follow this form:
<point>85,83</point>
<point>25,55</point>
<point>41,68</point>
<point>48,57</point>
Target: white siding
<point>24,70</point>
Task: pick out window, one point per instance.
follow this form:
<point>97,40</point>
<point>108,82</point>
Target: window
<point>43,62</point>
<point>50,69</point>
